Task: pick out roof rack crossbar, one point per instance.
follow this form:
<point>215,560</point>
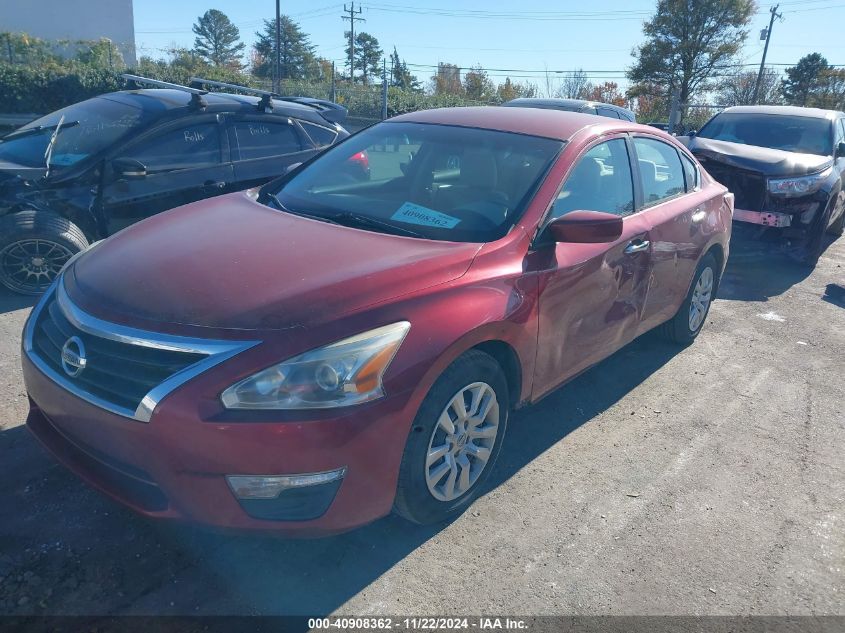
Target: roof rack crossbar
<point>266,102</point>
<point>134,81</point>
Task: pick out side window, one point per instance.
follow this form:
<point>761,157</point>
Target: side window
<point>600,181</point>
<point>262,139</point>
<point>838,133</point>
<point>180,148</point>
<point>690,173</point>
<point>661,173</point>
<point>608,112</point>
<point>321,136</point>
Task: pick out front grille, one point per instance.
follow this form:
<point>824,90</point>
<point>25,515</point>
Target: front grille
<point>116,372</point>
<point>748,187</point>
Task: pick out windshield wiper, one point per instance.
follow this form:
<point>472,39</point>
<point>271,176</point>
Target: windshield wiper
<point>349,218</point>
<point>48,153</point>
<point>281,207</point>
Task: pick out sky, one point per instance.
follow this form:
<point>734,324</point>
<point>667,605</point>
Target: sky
<point>521,39</point>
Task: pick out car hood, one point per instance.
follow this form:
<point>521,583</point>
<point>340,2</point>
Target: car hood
<point>231,263</point>
<point>769,162</point>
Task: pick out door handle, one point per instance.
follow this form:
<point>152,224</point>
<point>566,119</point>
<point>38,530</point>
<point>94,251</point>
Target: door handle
<point>637,246</point>
<point>211,185</point>
<point>698,216</point>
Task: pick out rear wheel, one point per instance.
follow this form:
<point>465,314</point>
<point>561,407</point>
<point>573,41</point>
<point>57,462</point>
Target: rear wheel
<point>454,440</point>
<point>690,318</point>
<point>33,248</point>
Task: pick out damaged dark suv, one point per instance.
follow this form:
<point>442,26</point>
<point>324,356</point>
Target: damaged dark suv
<point>785,166</point>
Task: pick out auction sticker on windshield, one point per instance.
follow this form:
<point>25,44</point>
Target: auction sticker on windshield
<point>416,214</point>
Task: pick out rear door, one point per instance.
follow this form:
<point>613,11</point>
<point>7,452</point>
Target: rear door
<point>264,147</point>
<point>185,161</point>
<point>677,210</point>
<point>591,295</point>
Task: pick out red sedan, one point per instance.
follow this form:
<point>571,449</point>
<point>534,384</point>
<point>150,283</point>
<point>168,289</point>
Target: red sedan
<point>308,357</point>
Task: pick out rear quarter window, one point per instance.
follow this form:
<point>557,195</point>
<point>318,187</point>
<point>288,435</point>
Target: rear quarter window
<point>321,136</point>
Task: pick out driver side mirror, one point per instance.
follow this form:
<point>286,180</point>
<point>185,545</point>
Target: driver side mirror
<point>129,168</point>
<point>586,227</point>
<point>840,150</point>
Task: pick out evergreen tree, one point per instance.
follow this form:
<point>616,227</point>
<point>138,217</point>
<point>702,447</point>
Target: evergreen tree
<point>400,76</point>
<point>368,55</point>
<point>218,40</point>
<point>297,53</point>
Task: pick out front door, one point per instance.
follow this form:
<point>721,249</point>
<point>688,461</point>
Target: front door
<point>184,162</point>
<point>591,295</point>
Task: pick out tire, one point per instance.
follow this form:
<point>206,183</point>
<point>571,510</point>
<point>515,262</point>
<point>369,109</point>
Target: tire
<point>473,375</point>
<point>34,245</point>
<point>685,326</point>
<point>838,227</point>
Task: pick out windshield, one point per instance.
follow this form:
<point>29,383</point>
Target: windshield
<point>433,181</point>
<point>88,127</point>
<point>806,135</point>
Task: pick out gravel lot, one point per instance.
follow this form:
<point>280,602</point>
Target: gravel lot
<point>708,480</point>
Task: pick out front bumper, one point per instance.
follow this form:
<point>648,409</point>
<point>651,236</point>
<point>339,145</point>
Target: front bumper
<point>175,466</point>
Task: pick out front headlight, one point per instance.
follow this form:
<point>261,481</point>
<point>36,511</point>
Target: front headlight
<point>341,374</point>
<point>802,186</point>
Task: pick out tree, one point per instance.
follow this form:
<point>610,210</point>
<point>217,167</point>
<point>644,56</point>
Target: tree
<point>297,59</point>
<point>803,79</point>
<point>367,56</point>
<point>218,40</point>
<point>510,90</point>
<point>447,81</point>
<point>689,42</point>
<point>575,85</point>
<point>21,48</point>
<point>400,76</point>
<point>477,84</point>
<point>830,93</point>
<point>739,89</point>
<point>101,54</point>
<point>608,92</point>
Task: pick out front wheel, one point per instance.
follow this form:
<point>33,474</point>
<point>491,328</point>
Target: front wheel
<point>454,440</point>
<point>34,246</point>
<point>690,318</point>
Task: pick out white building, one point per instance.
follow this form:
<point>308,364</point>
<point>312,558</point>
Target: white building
<point>73,20</point>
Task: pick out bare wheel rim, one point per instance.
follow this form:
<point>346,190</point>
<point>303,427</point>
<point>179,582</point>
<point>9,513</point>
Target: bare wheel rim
<point>462,441</point>
<point>32,265</point>
<point>702,295</point>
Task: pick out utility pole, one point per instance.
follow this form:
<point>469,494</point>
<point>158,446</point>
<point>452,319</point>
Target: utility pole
<point>278,69</point>
<point>352,17</point>
<point>384,90</point>
<point>775,14</point>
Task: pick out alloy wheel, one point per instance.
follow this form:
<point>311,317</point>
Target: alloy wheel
<point>31,265</point>
<point>462,441</point>
<point>702,295</point>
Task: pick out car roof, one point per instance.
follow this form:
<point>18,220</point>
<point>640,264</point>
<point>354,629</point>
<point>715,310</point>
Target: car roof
<point>556,124</point>
<point>167,99</point>
<point>562,103</point>
<point>815,113</point>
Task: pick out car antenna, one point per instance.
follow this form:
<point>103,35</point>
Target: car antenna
<point>133,82</point>
<point>264,105</point>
